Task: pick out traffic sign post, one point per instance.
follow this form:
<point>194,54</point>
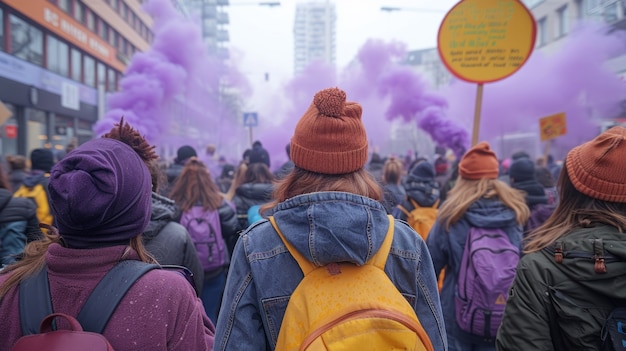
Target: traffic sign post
<point>250,120</point>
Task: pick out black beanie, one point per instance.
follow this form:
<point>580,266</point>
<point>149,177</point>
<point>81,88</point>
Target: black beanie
<point>42,160</point>
<point>422,172</point>
<point>522,169</point>
<point>185,152</point>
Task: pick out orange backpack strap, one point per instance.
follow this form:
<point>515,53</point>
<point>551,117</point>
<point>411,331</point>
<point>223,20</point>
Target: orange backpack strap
<point>404,210</point>
<point>379,259</point>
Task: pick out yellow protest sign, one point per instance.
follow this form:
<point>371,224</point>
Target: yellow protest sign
<point>483,41</point>
<point>552,126</point>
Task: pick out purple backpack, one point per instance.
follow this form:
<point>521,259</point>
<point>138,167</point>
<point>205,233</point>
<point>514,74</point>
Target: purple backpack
<point>488,267</point>
<point>205,230</point>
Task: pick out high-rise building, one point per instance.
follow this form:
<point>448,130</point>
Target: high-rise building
<point>314,33</point>
<point>214,20</point>
<point>58,58</point>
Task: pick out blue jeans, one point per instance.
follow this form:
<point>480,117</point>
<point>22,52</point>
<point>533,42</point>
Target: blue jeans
<point>211,296</point>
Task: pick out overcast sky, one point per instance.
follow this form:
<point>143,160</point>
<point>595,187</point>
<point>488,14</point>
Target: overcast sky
<point>263,36</point>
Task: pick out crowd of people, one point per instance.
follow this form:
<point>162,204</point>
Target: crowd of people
<point>546,235</point>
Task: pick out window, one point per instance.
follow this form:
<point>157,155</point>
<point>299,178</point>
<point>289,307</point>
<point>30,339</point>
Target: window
<point>123,10</point>
<point>2,30</point>
<point>57,57</point>
<point>102,29</point>
<point>112,36</point>
<point>78,11</point>
<point>77,65</point>
<point>541,32</point>
<point>65,5</point>
<point>101,74</point>
<point>26,41</point>
<point>91,22</point>
<point>111,80</point>
<point>562,23</point>
<point>90,70</point>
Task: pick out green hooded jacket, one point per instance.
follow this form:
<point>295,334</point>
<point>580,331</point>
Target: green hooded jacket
<point>563,306</point>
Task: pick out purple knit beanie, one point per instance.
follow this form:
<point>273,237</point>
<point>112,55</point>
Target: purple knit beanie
<point>100,194</point>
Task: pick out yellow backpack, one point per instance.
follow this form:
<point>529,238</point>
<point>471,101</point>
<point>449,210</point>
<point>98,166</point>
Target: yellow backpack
<point>421,219</point>
<point>342,306</point>
<point>39,195</point>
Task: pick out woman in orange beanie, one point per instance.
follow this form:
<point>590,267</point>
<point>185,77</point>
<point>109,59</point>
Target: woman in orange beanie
<point>574,272</point>
<point>328,209</point>
<point>478,204</point>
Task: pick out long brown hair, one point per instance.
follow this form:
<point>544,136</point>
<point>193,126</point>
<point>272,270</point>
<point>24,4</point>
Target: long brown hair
<point>575,210</point>
<point>4,179</point>
<point>238,179</point>
<point>301,181</point>
<point>195,187</point>
<point>465,192</point>
<point>34,257</point>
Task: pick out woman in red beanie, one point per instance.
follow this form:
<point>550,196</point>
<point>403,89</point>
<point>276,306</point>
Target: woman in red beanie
<point>329,209</point>
<point>574,272</point>
<point>101,196</point>
<point>478,201</point>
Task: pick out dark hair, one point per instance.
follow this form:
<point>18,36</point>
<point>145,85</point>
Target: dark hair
<point>258,173</point>
<point>4,179</point>
<point>544,177</point>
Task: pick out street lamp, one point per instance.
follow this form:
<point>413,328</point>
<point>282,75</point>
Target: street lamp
<point>412,9</point>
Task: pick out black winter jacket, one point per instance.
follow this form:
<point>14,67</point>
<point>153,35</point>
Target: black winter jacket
<point>14,210</point>
<point>562,305</point>
<point>169,242</point>
<point>248,195</point>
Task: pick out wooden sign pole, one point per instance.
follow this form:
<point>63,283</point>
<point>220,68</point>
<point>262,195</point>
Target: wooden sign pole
<point>477,109</point>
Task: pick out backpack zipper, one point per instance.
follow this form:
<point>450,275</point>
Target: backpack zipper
<point>395,316</point>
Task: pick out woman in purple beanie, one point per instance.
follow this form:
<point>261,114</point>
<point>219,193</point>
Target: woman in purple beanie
<point>101,195</point>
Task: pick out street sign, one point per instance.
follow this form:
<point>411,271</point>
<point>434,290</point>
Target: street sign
<point>250,119</point>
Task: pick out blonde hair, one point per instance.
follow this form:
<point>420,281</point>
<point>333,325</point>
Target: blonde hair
<point>35,257</point>
<point>465,192</point>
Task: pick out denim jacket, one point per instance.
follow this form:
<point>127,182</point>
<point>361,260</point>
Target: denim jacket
<point>325,227</point>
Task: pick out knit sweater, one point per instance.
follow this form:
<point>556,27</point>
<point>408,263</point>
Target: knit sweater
<point>159,312</point>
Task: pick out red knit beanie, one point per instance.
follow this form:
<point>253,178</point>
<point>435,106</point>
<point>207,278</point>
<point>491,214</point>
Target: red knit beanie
<point>479,162</point>
<point>597,167</point>
<point>330,137</point>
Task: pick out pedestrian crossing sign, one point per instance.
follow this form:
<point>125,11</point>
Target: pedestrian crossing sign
<point>250,119</point>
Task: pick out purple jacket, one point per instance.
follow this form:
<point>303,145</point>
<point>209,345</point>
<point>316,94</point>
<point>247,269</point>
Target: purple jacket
<point>160,312</point>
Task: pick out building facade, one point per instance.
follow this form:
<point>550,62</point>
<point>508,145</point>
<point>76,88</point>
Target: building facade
<point>314,33</point>
<point>58,59</point>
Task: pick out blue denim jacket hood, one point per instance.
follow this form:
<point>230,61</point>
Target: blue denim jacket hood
<point>446,248</point>
<point>325,227</point>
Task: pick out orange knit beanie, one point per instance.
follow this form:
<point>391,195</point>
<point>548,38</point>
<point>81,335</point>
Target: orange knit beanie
<point>479,162</point>
<point>330,137</point>
<point>597,168</point>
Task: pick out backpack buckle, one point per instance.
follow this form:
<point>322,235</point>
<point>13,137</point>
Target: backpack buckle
<point>558,252</point>
<point>598,254</point>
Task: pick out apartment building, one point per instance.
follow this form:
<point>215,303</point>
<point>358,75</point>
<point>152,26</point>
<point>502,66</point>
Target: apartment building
<point>314,33</point>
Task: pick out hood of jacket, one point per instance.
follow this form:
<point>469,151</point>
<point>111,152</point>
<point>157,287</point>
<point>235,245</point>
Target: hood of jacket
<point>534,192</point>
<point>164,211</point>
<point>424,193</point>
<point>579,263</point>
<point>331,227</point>
<point>490,213</point>
<point>34,178</point>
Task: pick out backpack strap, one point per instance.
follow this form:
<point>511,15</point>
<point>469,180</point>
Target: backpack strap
<point>379,259</point>
<point>104,299</point>
<point>404,210</point>
<point>35,302</point>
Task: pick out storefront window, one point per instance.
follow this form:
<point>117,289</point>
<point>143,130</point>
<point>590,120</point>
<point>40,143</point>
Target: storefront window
<point>37,129</point>
<point>1,30</point>
<point>90,71</point>
<point>8,141</point>
<point>26,41</point>
<point>58,56</point>
<point>76,65</point>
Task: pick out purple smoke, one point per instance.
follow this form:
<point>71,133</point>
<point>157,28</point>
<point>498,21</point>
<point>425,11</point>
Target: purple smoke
<point>171,93</point>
